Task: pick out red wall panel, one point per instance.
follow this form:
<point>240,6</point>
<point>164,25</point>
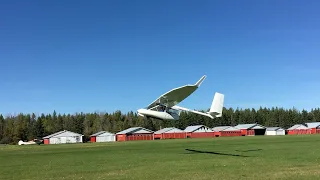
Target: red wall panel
<point>201,134</point>
<point>138,137</point>
<point>93,139</point>
<point>230,133</point>
<point>174,135</point>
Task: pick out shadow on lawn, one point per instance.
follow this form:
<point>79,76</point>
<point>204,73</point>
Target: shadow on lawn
<point>217,153</point>
<point>248,150</point>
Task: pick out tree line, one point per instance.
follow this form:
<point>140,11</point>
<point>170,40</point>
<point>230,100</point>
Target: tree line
<point>29,126</point>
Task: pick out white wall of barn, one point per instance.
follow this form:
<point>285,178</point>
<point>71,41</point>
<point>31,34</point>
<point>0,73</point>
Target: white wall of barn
<point>281,132</point>
<point>107,138</point>
<point>65,140</point>
<point>271,133</point>
<point>277,132</point>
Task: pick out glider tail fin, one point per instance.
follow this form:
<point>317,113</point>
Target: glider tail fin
<point>217,105</point>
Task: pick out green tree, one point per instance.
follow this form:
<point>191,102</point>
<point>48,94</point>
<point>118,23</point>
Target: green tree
<point>2,127</point>
<point>39,130</point>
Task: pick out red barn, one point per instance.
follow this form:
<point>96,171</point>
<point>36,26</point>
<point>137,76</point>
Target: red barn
<point>314,127</point>
<point>231,131</point>
<point>251,129</point>
<point>170,133</point>
<point>135,133</point>
<point>298,129</point>
<point>199,131</point>
<point>217,130</point>
<point>63,137</point>
<point>103,136</point>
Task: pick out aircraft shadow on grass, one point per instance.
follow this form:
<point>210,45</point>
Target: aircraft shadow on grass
<point>217,153</point>
<point>248,150</point>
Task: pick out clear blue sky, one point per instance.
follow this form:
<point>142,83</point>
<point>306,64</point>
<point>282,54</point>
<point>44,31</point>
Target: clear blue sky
<point>73,56</point>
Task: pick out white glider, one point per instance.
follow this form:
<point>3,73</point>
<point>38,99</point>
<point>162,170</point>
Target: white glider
<point>165,107</point>
<point>26,143</point>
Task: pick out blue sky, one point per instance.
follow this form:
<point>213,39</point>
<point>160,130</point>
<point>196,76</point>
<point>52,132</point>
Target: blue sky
<point>73,56</point>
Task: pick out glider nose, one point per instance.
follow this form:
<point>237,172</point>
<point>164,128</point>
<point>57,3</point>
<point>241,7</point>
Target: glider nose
<point>140,112</point>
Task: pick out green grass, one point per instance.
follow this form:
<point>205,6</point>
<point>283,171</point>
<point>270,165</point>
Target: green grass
<point>265,157</point>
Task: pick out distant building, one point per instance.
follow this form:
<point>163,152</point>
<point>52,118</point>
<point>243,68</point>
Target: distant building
<point>251,129</point>
<point>103,136</point>
<point>231,131</point>
<point>226,131</point>
<point>217,130</point>
<point>314,126</point>
<point>275,131</point>
<point>135,133</point>
<point>298,129</point>
<point>199,131</point>
<point>170,133</point>
<point>63,137</point>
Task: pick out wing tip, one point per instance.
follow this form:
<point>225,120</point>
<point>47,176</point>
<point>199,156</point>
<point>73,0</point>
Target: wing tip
<point>199,82</point>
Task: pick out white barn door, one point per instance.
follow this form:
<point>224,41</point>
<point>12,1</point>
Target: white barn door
<point>105,138</point>
<point>63,140</point>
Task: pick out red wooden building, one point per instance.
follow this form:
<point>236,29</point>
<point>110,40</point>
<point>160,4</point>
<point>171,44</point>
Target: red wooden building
<point>103,136</point>
<point>135,133</point>
<point>231,131</point>
<point>170,133</point>
<point>199,131</point>
<point>63,137</point>
<point>314,127</point>
<point>251,129</point>
<point>298,129</point>
<point>218,130</point>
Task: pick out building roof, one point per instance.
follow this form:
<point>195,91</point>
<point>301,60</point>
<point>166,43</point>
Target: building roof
<point>196,127</point>
<point>102,133</point>
<point>231,129</point>
<point>274,128</point>
<point>220,128</point>
<point>192,128</point>
<point>313,124</point>
<point>298,126</point>
<point>63,133</point>
<point>168,130</point>
<point>132,130</point>
<point>249,126</point>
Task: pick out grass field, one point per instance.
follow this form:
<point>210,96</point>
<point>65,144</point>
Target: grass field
<point>265,157</point>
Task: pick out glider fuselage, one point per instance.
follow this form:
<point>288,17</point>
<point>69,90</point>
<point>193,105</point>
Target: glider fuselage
<point>164,115</point>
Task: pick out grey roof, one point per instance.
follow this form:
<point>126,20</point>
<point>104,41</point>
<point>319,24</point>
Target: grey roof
<point>164,130</point>
<point>274,128</point>
<point>200,128</point>
<point>135,129</point>
<point>193,128</point>
<point>298,126</point>
<point>101,132</point>
<point>220,128</point>
<point>313,124</point>
<point>231,129</point>
<point>249,126</point>
<point>60,132</point>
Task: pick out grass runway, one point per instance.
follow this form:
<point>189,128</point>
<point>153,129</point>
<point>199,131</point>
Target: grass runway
<point>264,157</point>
